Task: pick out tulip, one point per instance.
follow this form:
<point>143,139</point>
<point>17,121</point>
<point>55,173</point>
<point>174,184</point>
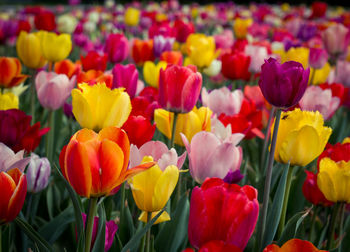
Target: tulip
<point>241,26</point>
<point>172,57</point>
<point>8,101</point>
<point>29,50</point>
<point>179,88</point>
<point>38,173</point>
<point>152,189</point>
<point>183,30</point>
<point>235,66</point>
<point>316,99</point>
<point>293,245</point>
<point>213,69</point>
<point>298,54</point>
<point>93,114</point>
<point>218,246</point>
<point>337,152</point>
<point>151,72</point>
<point>10,72</point>
<point>337,90</point>
<point>13,185</point>
<point>93,60</point>
<point>221,211</point>
<point>223,100</point>
<point>111,229</point>
<point>319,9</point>
<point>342,73</point>
<point>132,16</point>
<point>211,157</point>
<point>9,160</point>
<point>67,67</point>
<point>311,191</point>
<point>201,49</point>
<point>53,89</point>
<point>336,40</point>
<point>301,137</point>
<point>143,106</point>
<point>45,20</point>
<point>283,85</point>
<point>142,51</point>
<point>318,58</point>
<point>162,44</point>
<point>116,47</point>
<point>55,47</point>
<point>258,54</point>
<point>92,77</point>
<point>320,75</point>
<point>224,40</point>
<point>96,164</point>
<point>66,23</point>
<point>126,77</point>
<point>139,129</point>
<point>188,124</point>
<point>16,131</point>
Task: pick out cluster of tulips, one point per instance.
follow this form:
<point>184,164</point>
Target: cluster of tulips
<point>168,127</point>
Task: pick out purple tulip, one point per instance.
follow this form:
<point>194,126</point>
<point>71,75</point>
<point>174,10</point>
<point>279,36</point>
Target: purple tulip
<point>283,85</point>
<point>127,77</point>
<point>38,173</point>
<point>162,44</point>
<point>117,48</point>
<point>317,58</point>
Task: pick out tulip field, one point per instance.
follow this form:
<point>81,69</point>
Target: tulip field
<point>166,127</point>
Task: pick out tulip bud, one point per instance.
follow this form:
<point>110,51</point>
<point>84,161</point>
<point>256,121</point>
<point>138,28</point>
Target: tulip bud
<point>38,173</point>
<point>317,58</point>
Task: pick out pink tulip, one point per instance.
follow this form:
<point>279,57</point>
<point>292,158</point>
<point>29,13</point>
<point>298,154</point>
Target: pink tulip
<point>315,98</point>
<point>257,54</point>
<point>222,100</point>
<point>53,89</point>
<point>224,40</point>
<point>160,153</point>
<point>211,157</point>
<point>343,72</point>
<point>318,58</point>
<point>117,48</point>
<point>336,40</point>
<point>9,160</point>
<point>127,77</point>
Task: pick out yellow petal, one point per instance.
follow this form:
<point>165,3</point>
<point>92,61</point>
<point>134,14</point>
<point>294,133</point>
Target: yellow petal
<point>164,121</point>
<point>8,101</point>
<point>82,110</point>
<point>163,217</point>
<point>149,69</point>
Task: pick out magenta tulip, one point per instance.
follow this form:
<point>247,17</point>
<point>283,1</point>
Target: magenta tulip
<point>317,58</point>
<point>117,48</point>
<point>127,77</point>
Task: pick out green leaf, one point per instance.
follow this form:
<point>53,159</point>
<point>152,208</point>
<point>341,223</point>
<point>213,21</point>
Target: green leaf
<point>100,239</point>
<point>126,227</point>
<point>323,234</point>
<point>32,234</point>
<point>173,234</point>
<point>132,244</point>
<point>54,228</point>
<point>49,201</point>
<point>345,245</point>
<point>274,212</point>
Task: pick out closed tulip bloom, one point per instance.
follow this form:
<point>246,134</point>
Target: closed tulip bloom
<point>132,16</point>
<point>142,51</point>
<point>29,50</point>
<point>139,129</point>
<point>235,66</point>
<point>316,99</point>
<point>151,72</point>
<point>53,89</point>
<point>9,160</point>
<point>67,67</point>
<point>201,49</point>
<point>96,107</point>
<point>298,54</point>
<point>13,186</point>
<point>343,72</point>
<point>38,173</point>
<point>240,27</point>
<point>211,157</point>
<point>10,72</point>
<point>222,100</point>
<point>311,191</point>
<point>162,44</point>
<point>116,47</point>
<point>152,189</point>
<point>45,20</point>
<point>318,58</point>
<point>126,77</point>
<point>172,57</point>
<point>66,23</point>
<point>188,124</point>
<point>293,245</point>
<point>221,211</point>
<point>283,85</point>
<point>183,30</point>
<point>179,88</point>
<point>301,137</point>
<point>94,60</point>
<point>96,164</point>
<point>55,47</point>
<point>336,40</point>
<point>8,101</point>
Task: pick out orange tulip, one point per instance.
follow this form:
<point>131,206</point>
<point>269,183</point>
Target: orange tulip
<point>172,57</point>
<point>96,164</point>
<point>293,245</point>
<point>10,72</point>
<point>13,184</point>
<point>142,51</point>
<point>67,67</point>
<point>94,76</point>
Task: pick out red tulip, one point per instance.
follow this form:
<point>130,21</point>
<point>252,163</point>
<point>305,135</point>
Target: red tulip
<point>142,51</point>
<point>222,211</point>
<point>143,106</point>
<point>311,191</point>
<point>23,25</point>
<point>139,129</point>
<point>183,30</point>
<point>338,90</point>
<point>319,9</point>
<point>219,246</point>
<point>93,60</point>
<point>45,20</point>
<point>16,131</point>
<point>13,186</point>
<point>67,67</point>
<point>179,88</point>
<point>235,66</point>
<point>336,152</point>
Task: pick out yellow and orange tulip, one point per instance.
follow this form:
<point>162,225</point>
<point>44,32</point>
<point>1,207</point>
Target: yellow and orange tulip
<point>10,72</point>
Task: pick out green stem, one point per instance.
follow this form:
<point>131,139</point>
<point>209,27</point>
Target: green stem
<point>179,187</point>
<point>50,135</point>
<point>313,221</point>
<point>29,206</point>
<point>268,180</point>
<point>333,226</point>
<point>32,99</point>
<point>148,234</point>
<point>122,206</point>
<point>341,224</point>
<point>266,140</point>
<point>90,223</point>
<point>313,72</point>
<point>173,130</point>
<point>285,201</point>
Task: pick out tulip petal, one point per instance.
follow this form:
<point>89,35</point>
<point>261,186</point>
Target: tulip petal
<point>163,217</point>
<point>81,109</point>
<point>8,186</point>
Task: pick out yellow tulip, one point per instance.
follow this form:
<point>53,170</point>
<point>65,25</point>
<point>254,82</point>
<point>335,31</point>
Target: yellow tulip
<point>29,50</point>
<point>298,54</point>
<point>301,137</point>
<point>55,47</point>
<point>320,75</point>
<point>151,72</point>
<point>96,107</point>
<point>201,49</point>
<point>8,101</point>
<point>346,140</point>
<point>132,16</point>
<point>240,27</point>
<point>188,124</point>
<point>333,180</point>
<point>152,189</point>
